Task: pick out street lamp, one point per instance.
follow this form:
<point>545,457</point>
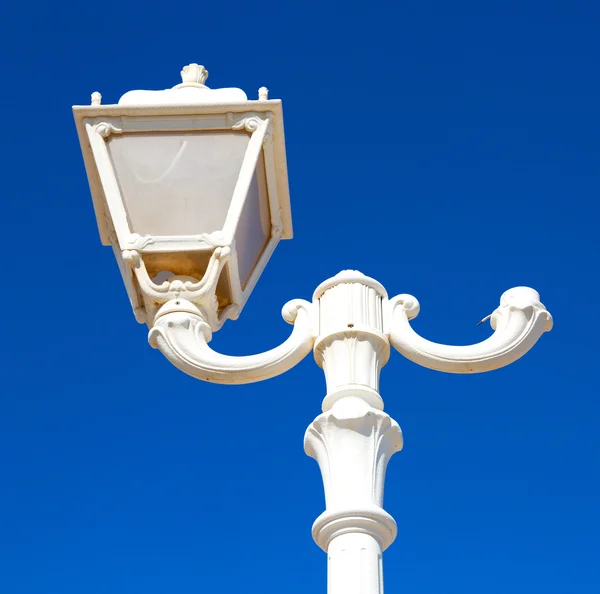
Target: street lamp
<point>190,189</point>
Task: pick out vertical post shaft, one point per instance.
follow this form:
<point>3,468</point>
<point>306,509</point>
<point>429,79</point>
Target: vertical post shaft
<point>353,439</point>
<point>354,565</point>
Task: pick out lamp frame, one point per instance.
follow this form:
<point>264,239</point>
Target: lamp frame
<point>262,120</point>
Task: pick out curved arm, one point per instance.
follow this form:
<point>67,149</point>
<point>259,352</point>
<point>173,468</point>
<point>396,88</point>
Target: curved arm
<point>518,324</point>
<point>182,335</point>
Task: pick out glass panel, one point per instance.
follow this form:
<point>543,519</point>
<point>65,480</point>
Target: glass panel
<point>254,227</point>
<point>177,183</point>
<point>192,263</point>
<point>162,265</point>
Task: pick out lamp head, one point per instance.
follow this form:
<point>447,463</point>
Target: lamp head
<point>188,182</point>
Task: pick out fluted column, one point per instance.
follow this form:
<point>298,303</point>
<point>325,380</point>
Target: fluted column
<point>353,439</point>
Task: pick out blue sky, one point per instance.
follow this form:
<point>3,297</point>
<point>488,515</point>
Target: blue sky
<point>448,149</point>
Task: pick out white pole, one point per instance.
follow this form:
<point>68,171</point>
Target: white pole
<point>354,565</point>
<point>353,439</point>
<point>350,325</point>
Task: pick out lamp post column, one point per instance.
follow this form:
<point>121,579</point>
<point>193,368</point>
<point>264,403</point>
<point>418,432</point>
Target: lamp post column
<point>353,439</point>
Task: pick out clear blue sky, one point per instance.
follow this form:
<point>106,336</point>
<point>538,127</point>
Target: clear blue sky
<point>448,149</point>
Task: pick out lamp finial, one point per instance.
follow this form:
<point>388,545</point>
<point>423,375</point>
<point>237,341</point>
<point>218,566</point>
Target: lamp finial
<point>193,75</point>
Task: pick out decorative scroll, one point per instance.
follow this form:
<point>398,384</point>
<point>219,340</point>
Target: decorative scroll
<point>518,323</point>
<point>182,334</point>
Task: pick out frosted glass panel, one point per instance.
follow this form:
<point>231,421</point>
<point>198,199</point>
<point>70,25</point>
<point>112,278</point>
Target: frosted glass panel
<point>254,228</point>
<point>191,263</point>
<point>162,265</point>
<point>176,183</point>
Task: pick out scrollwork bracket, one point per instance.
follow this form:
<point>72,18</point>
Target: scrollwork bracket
<point>518,323</point>
<point>105,129</point>
<point>181,332</point>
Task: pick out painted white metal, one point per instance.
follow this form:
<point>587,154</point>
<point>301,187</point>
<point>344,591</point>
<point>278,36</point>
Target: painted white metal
<point>353,439</point>
<point>352,444</point>
<point>181,332</point>
<point>518,322</point>
<point>191,90</point>
<point>351,345</point>
<point>350,325</point>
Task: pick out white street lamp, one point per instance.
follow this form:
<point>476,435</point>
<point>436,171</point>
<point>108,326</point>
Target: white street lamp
<point>190,189</point>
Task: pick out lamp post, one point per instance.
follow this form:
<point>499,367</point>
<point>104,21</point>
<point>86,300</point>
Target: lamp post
<point>190,190</point>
